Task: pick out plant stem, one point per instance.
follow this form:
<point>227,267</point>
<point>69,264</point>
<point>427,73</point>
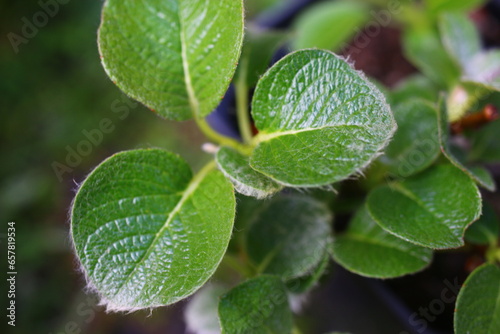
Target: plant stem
<point>241,88</point>
<point>235,264</point>
<point>218,138</point>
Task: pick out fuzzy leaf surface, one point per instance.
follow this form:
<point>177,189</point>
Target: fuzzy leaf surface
<point>368,250</point>
<point>147,232</point>
<point>431,209</point>
<point>175,56</point>
<point>257,306</point>
<point>478,303</point>
<point>319,120</point>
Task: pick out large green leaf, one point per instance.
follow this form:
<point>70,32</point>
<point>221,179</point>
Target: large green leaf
<point>305,283</point>
<point>484,142</point>
<point>478,303</point>
<point>257,306</point>
<point>368,250</point>
<point>460,37</point>
<point>416,142</point>
<point>175,56</point>
<point>149,233</point>
<point>431,209</point>
<point>486,230</point>
<point>478,174</point>
<point>246,180</point>
<point>319,120</point>
<point>289,236</point>
<point>329,25</point>
<point>414,87</point>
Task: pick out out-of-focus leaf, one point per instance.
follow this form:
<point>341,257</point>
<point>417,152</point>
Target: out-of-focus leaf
<point>289,237</point>
<point>431,209</point>
<point>330,25</point>
<point>415,87</point>
<point>201,314</point>
<point>308,281</point>
<point>486,230</point>
<point>484,68</point>
<point>460,38</point>
<point>415,145</point>
<point>424,49</point>
<point>437,6</point>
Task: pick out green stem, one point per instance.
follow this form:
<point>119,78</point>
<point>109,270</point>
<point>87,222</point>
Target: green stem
<point>235,264</point>
<point>218,138</point>
<point>244,122</point>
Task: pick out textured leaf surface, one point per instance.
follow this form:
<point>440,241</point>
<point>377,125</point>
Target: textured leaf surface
<point>257,306</point>
<point>201,314</point>
<point>431,209</point>
<point>486,230</point>
<point>329,25</point>
<point>478,174</point>
<point>416,142</point>
<point>368,250</point>
<point>289,237</point>
<point>478,304</point>
<point>460,37</point>
<point>245,179</point>
<point>175,56</point>
<point>149,233</point>
<point>319,120</point>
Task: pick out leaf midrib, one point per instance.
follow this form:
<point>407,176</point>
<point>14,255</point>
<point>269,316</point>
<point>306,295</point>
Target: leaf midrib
<point>190,189</point>
<point>193,100</point>
<point>263,137</point>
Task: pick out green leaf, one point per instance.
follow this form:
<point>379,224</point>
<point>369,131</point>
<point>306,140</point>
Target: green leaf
<point>414,87</point>
<point>201,314</point>
<point>460,37</point>
<point>484,68</point>
<point>478,303</point>
<point>366,249</point>
<point>258,50</point>
<point>478,174</point>
<point>431,209</point>
<point>484,142</point>
<point>257,306</point>
<point>453,5</point>
<point>147,232</point>
<point>424,49</point>
<point>464,97</point>
<point>289,236</point>
<point>305,283</point>
<point>486,230</point>
<point>416,143</point>
<point>319,120</point>
<point>176,57</point>
<point>246,180</point>
<point>329,25</point>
